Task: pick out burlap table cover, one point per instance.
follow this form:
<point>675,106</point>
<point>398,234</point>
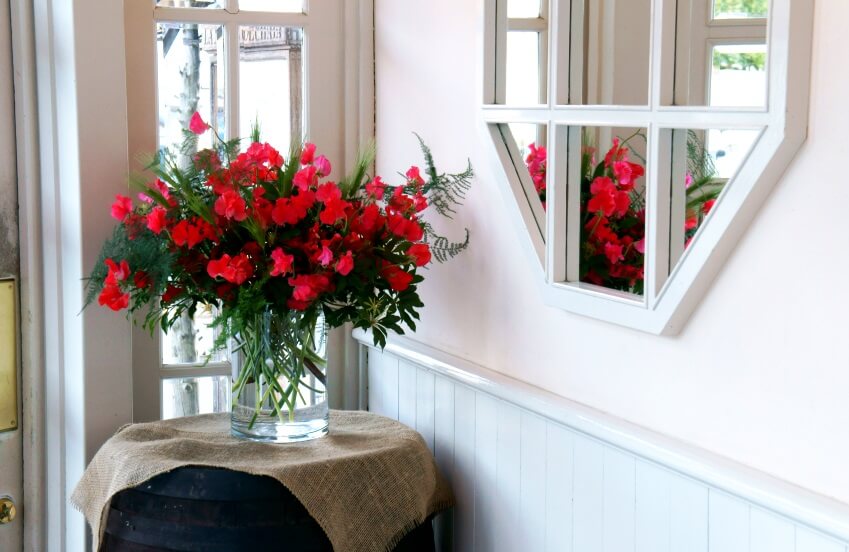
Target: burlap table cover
<point>367,484</point>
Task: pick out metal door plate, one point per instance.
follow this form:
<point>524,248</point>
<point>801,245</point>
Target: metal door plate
<point>8,357</point>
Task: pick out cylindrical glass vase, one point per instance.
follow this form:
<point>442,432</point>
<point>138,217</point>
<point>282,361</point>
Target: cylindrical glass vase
<point>279,379</point>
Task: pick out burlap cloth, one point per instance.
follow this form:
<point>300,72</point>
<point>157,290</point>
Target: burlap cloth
<point>367,484</point>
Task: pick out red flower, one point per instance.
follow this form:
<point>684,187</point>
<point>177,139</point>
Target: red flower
<point>283,262</point>
<point>345,264</point>
<point>420,252</point>
<point>334,209</point>
<point>122,207</point>
<point>308,153</point>
<point>405,228</point>
<point>305,178</point>
<point>156,219</point>
<point>141,279</point>
<point>264,153</point>
<point>235,270</point>
<point>376,188</point>
<point>112,297</point>
<point>327,192</point>
<point>186,233</point>
<point>369,222</point>
<point>414,177</point>
<point>117,272</point>
<point>197,124</point>
<point>603,201</point>
<point>627,173</point>
<point>231,205</point>
<point>307,287</point>
<point>291,210</point>
<point>613,252</point>
<point>708,205</point>
<point>398,279</point>
<point>691,223</point>
<point>171,293</point>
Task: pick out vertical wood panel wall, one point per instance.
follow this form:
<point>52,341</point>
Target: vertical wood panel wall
<point>525,482</point>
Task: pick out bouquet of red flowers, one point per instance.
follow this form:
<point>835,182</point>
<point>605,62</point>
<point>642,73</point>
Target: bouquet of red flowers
<point>279,249</point>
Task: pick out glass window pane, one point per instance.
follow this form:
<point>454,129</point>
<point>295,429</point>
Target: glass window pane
<point>523,9</point>
<point>191,396</point>
<point>523,68</point>
<point>613,208</point>
<point>271,87</point>
<point>530,140</point>
<point>613,56</point>
<point>738,75</point>
<point>190,77</point>
<point>287,6</point>
<point>190,340</point>
<point>190,3</point>
<point>740,9</point>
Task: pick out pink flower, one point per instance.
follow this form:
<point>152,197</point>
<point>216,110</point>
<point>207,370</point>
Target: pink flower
<point>345,264</point>
<point>282,262</point>
<point>122,207</point>
<point>231,205</point>
<point>640,246</point>
<point>322,165</point>
<point>326,256</point>
<point>688,180</point>
<point>197,124</point>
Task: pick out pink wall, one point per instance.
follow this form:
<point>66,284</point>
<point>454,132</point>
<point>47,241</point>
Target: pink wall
<point>761,372</point>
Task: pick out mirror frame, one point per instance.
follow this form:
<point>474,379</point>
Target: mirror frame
<point>670,296</point>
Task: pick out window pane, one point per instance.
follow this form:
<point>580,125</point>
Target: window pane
<point>287,6</point>
<point>612,207</point>
<point>740,9</point>
<point>613,56</point>
<point>190,3</point>
<point>271,87</point>
<point>523,9</point>
<point>530,141</point>
<point>191,396</point>
<point>738,75</point>
<point>703,164</point>
<point>190,75</point>
<point>524,74</point>
<point>190,340</point>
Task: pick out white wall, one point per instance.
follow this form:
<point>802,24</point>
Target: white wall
<point>761,372</point>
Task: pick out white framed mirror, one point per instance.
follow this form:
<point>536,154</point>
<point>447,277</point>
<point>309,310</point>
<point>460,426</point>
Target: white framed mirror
<point>660,127</point>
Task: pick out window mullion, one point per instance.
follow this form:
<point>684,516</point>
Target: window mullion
<point>657,212</point>
<point>231,70</point>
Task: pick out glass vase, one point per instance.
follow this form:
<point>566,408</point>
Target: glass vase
<point>279,378</point>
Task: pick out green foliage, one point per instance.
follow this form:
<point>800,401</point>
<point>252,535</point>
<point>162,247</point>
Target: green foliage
<point>751,8</point>
<point>741,61</point>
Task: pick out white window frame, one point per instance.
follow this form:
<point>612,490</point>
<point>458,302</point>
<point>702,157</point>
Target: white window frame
<point>338,117</point>
<point>669,297</point>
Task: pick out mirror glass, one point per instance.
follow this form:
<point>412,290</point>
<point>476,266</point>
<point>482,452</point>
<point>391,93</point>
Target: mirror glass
<point>287,6</point>
<point>721,53</point>
<point>612,245</point>
<point>190,3</point>
<point>526,54</point>
<point>527,147</point>
<point>740,9</point>
<point>703,163</point>
<point>613,55</point>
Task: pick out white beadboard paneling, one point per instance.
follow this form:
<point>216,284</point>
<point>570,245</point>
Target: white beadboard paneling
<point>728,523</point>
<point>508,473</point>
<point>407,394</point>
<point>526,479</point>
<point>688,516</point>
<point>443,423</point>
<point>383,383</point>
<point>559,470</point>
<point>810,541</point>
<point>465,476</point>
<point>486,472</point>
<point>588,495</point>
<point>533,451</point>
<point>425,382</point>
<point>620,489</point>
<point>770,533</point>
<point>653,503</point>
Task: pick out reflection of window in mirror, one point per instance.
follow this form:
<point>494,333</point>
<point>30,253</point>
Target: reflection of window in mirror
<point>526,63</point>
<point>720,53</point>
<point>616,52</point>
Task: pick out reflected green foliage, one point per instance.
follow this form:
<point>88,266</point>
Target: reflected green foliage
<point>745,8</point>
<point>753,61</point>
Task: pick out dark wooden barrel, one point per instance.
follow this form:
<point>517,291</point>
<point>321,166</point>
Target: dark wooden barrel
<point>216,510</point>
